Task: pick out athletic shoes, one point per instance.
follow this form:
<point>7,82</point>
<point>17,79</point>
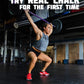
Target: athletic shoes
<point>44,73</point>
<point>29,76</point>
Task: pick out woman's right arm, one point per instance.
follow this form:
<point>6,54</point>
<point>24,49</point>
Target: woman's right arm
<point>36,29</point>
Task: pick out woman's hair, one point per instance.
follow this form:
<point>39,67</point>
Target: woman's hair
<point>43,24</point>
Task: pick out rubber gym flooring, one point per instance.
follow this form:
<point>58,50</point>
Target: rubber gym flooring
<point>59,74</point>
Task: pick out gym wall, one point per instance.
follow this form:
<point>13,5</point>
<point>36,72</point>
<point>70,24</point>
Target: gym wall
<point>74,52</point>
<point>60,53</point>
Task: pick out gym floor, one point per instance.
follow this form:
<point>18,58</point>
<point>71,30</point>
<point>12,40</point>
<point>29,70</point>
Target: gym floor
<point>59,74</point>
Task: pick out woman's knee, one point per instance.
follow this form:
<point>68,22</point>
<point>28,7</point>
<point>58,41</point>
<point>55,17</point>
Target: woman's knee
<point>34,59</point>
<point>32,56</point>
<point>50,60</point>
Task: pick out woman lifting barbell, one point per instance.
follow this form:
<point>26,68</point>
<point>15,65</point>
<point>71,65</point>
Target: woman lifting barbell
<point>41,43</point>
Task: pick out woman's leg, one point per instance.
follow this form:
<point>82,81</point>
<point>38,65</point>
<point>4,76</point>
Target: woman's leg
<point>33,57</point>
<point>45,58</point>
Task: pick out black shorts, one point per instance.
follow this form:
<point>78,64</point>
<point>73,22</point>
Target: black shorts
<point>33,50</point>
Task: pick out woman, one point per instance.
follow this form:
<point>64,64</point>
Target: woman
<point>41,43</point>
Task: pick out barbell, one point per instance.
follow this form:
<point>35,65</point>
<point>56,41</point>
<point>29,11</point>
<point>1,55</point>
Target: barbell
<point>57,24</point>
<point>14,10</point>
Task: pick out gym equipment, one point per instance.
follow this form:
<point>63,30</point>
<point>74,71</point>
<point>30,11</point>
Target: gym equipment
<point>14,10</point>
<point>57,24</point>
